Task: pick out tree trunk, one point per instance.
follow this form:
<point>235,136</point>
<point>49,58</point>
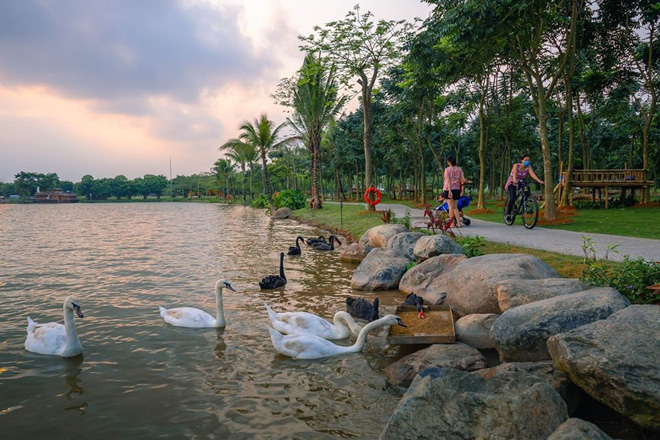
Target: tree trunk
<point>567,194</point>
<point>366,107</point>
<point>548,193</point>
<point>316,199</point>
<point>482,152</point>
<point>266,180</point>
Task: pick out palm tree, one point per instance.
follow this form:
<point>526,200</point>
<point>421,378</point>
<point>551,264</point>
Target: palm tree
<point>240,153</point>
<point>316,103</point>
<point>262,138</point>
<point>223,168</point>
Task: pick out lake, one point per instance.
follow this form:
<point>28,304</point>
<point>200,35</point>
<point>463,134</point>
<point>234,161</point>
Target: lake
<point>141,378</point>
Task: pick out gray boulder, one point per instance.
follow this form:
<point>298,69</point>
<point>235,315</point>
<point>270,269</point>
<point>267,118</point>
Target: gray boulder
<point>545,370</point>
<point>444,403</point>
<point>433,245</point>
<point>427,278</point>
<point>404,243</point>
<point>617,361</point>
<point>459,356</point>
<point>520,334</point>
<point>354,253</point>
<point>474,329</point>
<point>380,235</point>
<point>578,429</point>
<point>381,269</point>
<point>282,213</point>
<point>512,293</point>
<point>364,240</point>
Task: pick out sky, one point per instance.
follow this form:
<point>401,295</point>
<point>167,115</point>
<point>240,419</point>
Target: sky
<point>118,87</point>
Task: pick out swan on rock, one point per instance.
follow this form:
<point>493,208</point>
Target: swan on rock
<point>275,281</point>
<point>308,323</point>
<point>306,346</point>
<point>194,318</point>
<point>53,338</point>
<point>295,250</point>
<point>322,246</point>
<point>362,309</point>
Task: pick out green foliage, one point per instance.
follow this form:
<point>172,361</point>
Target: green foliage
<point>260,202</point>
<point>410,265</point>
<point>290,198</point>
<point>631,279</point>
<point>406,220</point>
<point>473,246</point>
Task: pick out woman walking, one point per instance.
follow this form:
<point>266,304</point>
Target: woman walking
<point>454,180</point>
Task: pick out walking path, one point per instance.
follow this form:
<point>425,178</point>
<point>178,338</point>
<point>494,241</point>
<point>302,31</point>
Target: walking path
<point>554,240</point>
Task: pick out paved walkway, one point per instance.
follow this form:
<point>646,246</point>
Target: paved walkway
<point>555,240</point>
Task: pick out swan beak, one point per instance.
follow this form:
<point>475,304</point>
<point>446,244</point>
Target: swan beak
<point>399,322</point>
<point>78,311</point>
<point>228,286</point>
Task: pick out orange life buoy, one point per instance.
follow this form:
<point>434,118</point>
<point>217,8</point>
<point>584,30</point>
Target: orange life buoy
<point>368,199</point>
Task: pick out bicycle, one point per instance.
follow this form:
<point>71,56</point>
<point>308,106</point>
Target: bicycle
<point>525,206</point>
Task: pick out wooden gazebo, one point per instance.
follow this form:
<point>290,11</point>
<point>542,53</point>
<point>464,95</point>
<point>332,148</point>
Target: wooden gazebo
<point>603,180</point>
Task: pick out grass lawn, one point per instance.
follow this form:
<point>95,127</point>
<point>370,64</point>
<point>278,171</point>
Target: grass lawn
<point>357,221</point>
<point>642,221</point>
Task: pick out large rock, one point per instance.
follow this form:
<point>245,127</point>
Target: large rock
<point>512,293</point>
<point>617,361</point>
<point>433,245</point>
<point>521,333</point>
<point>474,329</point>
<point>381,269</point>
<point>380,235</point>
<point>404,243</point>
<point>354,253</point>
<point>545,370</point>
<point>578,429</point>
<point>459,356</point>
<point>427,278</point>
<point>282,213</point>
<point>444,403</point>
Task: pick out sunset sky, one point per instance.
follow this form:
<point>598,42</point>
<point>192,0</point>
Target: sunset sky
<point>109,87</point>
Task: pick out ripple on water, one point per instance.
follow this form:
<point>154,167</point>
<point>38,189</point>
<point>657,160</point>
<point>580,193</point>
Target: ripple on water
<point>139,377</point>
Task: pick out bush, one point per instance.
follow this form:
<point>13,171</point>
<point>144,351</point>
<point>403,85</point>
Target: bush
<point>472,245</point>
<point>631,279</point>
<point>290,198</point>
<point>260,202</point>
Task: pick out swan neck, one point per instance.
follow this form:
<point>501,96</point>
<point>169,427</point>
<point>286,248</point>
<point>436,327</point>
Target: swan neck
<point>282,267</point>
<point>220,311</point>
<point>343,319</point>
<point>362,337</point>
<point>70,327</point>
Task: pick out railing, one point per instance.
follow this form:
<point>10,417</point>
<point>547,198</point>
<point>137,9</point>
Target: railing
<point>586,177</point>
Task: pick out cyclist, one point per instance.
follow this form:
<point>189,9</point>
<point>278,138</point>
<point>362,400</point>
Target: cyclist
<point>519,171</point>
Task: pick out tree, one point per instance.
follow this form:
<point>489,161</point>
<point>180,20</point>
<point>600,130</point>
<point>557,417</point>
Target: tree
<point>260,135</point>
<point>359,47</point>
<point>316,102</point>
<point>241,154</point>
<point>223,169</point>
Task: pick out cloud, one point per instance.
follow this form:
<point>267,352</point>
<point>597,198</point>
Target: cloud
<point>115,51</point>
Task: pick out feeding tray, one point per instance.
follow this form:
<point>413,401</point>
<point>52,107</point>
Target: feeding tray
<point>436,328</point>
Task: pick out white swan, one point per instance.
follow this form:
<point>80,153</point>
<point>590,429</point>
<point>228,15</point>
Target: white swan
<point>195,318</point>
<point>303,322</point>
<point>306,346</point>
<point>53,338</point>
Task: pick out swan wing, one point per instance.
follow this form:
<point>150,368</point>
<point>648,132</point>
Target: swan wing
<point>47,338</point>
<point>307,323</point>
<point>306,346</point>
<point>187,317</point>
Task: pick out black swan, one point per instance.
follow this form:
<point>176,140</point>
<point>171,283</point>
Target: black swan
<point>312,241</point>
<point>275,281</point>
<point>414,300</point>
<point>326,246</point>
<point>361,308</point>
<point>295,250</point>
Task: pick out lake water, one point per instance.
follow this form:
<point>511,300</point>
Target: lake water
<point>141,378</point>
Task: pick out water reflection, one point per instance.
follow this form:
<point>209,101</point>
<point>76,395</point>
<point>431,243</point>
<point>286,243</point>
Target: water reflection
<point>123,261</point>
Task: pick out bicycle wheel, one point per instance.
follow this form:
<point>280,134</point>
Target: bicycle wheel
<point>530,212</point>
<point>512,217</point>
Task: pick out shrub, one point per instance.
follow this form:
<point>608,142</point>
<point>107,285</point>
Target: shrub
<point>406,220</point>
<point>260,202</point>
<point>290,198</point>
<point>631,279</point>
<point>472,245</point>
